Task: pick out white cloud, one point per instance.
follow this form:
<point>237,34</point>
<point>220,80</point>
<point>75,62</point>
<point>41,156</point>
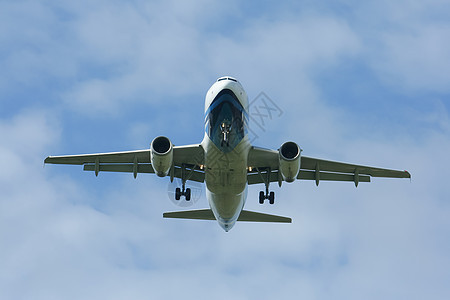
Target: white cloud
<point>37,45</point>
<point>136,52</point>
<point>405,43</point>
<point>416,59</point>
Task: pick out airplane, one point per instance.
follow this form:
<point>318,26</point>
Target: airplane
<point>226,162</point>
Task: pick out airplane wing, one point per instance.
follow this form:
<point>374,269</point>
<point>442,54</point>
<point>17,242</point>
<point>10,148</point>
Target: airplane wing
<point>188,158</point>
<point>263,164</point>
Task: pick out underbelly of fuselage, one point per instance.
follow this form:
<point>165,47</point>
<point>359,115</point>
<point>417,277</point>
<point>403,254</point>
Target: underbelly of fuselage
<point>226,180</point>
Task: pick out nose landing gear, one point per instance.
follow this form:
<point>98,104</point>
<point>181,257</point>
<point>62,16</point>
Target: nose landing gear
<point>225,128</point>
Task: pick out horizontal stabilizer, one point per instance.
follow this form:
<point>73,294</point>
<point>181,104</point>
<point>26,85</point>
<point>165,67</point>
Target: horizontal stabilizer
<point>251,216</point>
<point>245,216</point>
<point>202,214</point>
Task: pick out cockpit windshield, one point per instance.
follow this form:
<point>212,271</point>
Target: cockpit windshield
<point>225,121</point>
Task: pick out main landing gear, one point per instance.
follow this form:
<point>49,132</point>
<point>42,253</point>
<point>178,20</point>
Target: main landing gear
<point>270,196</point>
<point>186,192</point>
<point>266,179</point>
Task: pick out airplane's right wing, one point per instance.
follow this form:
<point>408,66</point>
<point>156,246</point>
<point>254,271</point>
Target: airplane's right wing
<point>185,158</point>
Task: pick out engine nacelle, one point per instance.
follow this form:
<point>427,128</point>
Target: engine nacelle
<point>289,159</point>
<point>161,155</point>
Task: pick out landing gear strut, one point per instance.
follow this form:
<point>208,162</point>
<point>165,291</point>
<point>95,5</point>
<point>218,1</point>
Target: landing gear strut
<point>263,196</point>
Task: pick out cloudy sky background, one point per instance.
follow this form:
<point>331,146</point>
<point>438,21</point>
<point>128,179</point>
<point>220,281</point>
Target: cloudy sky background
<point>363,82</point>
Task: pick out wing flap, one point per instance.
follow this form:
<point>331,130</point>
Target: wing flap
<point>255,178</point>
<point>327,176</point>
<point>126,168</point>
<point>195,175</point>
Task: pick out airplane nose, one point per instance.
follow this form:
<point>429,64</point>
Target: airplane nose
<point>226,225</point>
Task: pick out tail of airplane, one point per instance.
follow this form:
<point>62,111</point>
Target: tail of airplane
<point>245,216</point>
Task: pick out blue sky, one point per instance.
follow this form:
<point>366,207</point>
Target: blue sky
<point>363,82</point>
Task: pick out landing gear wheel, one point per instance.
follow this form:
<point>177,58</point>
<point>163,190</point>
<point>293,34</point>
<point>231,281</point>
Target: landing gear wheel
<point>177,193</point>
<point>188,194</point>
<point>272,198</point>
<point>262,197</point>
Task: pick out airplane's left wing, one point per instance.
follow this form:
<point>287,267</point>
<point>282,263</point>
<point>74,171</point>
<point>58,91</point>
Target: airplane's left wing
<point>185,159</point>
<point>264,166</point>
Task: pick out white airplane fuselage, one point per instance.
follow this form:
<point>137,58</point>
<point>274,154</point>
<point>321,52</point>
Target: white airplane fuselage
<point>226,145</point>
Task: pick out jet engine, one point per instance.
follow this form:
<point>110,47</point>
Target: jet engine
<point>289,159</point>
<point>161,155</point>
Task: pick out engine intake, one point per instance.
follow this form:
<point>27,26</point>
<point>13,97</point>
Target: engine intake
<point>161,155</point>
<point>289,159</point>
